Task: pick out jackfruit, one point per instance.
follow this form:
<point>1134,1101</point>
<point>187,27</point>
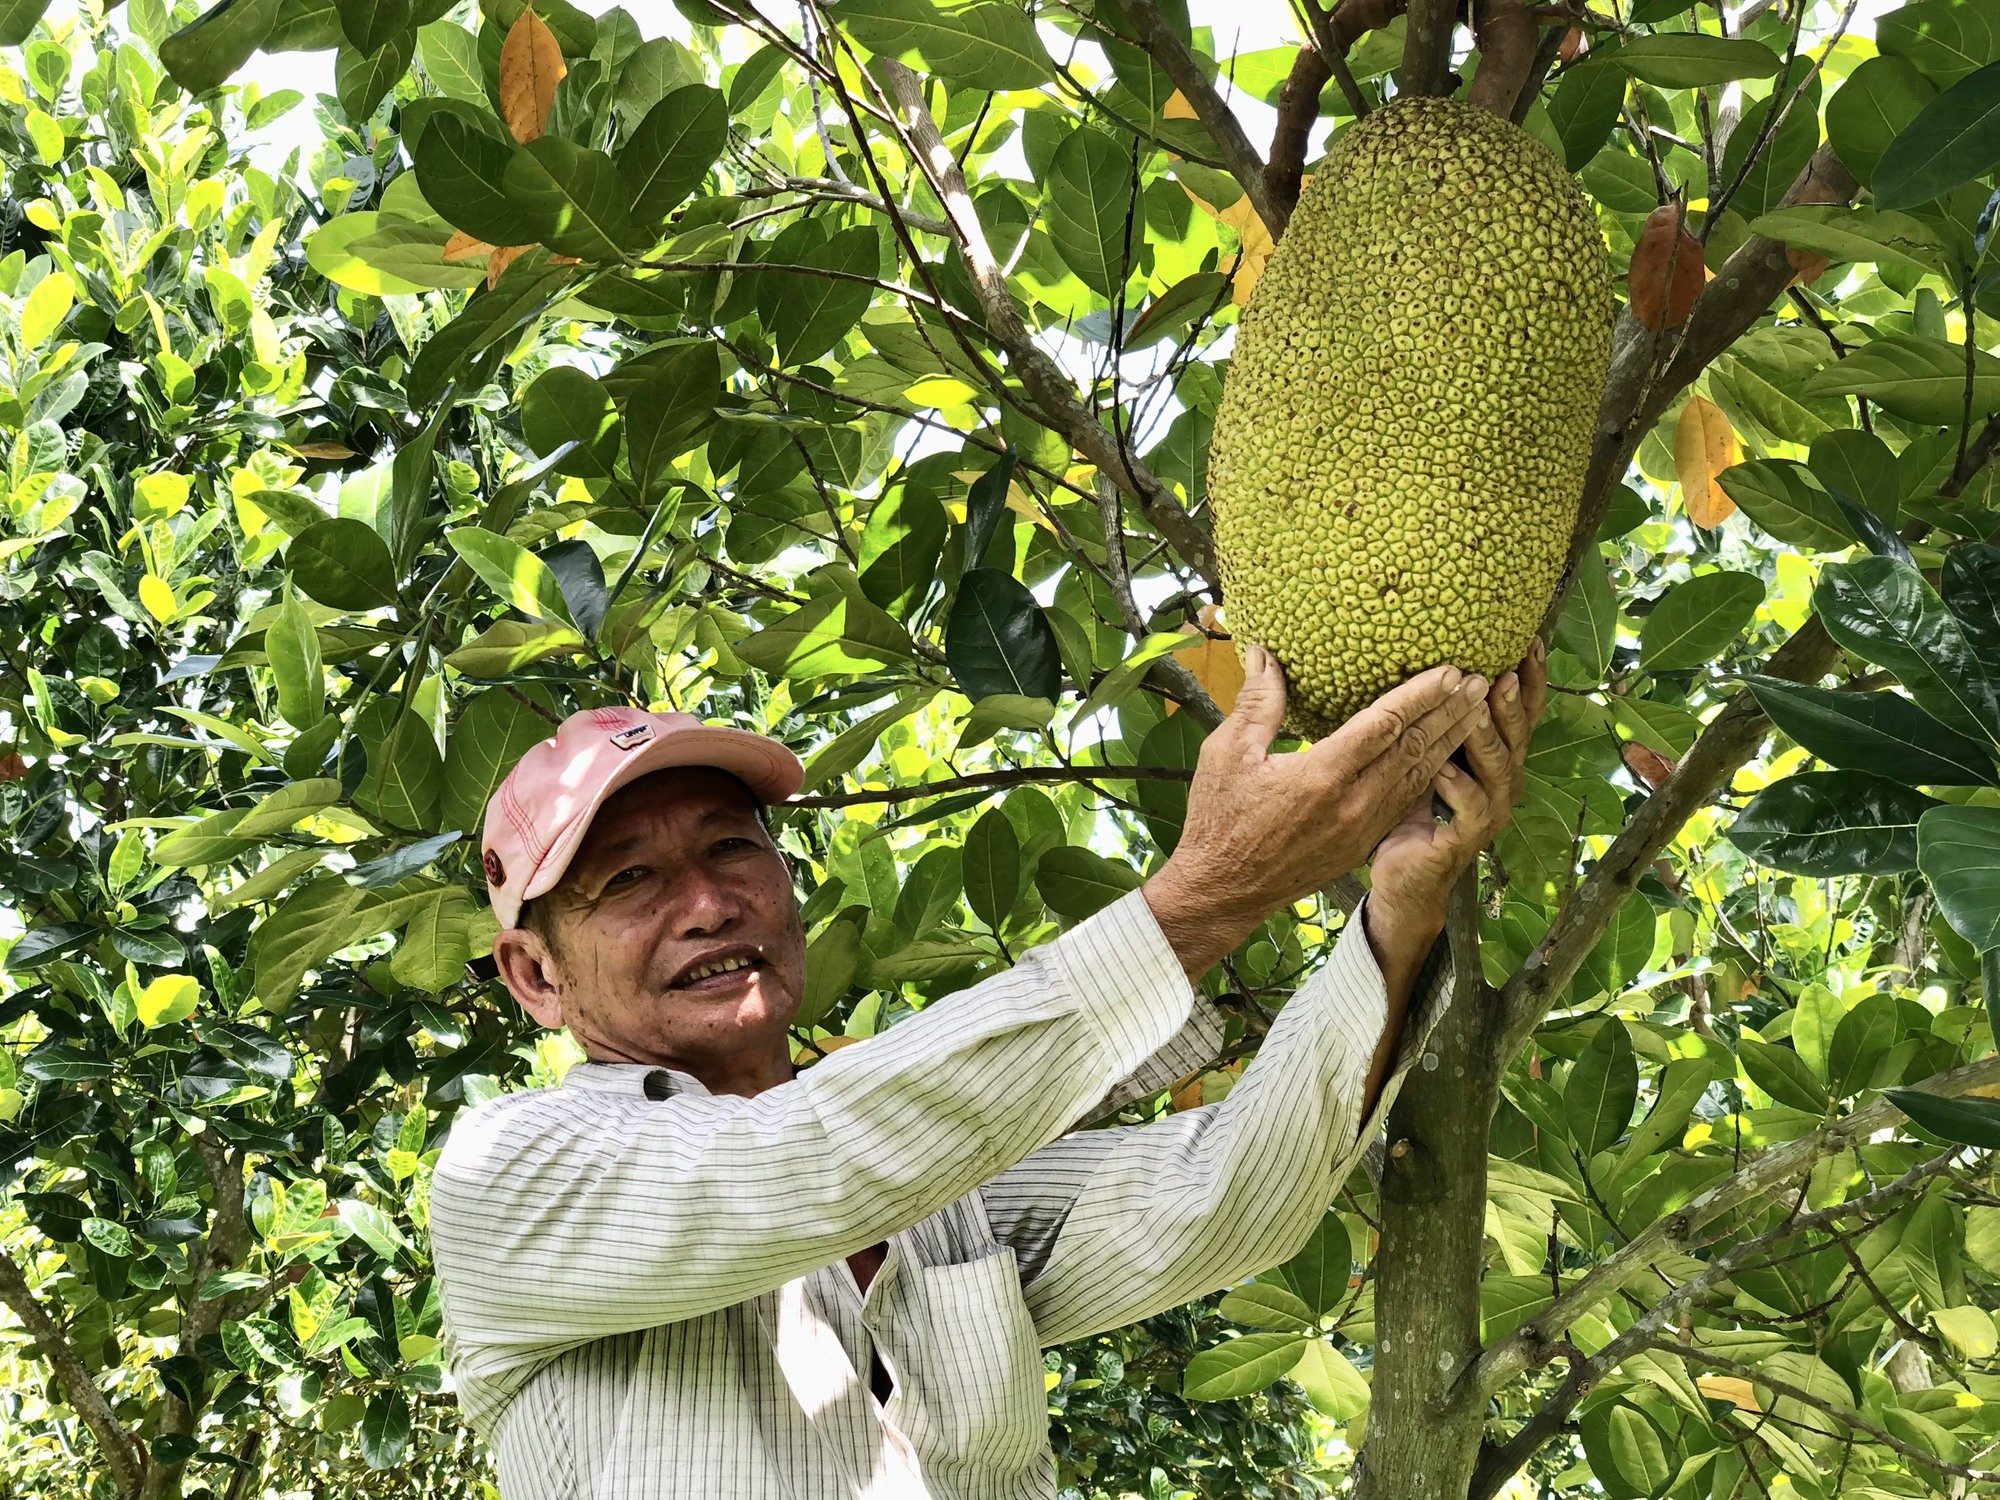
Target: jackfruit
<point>1402,436</point>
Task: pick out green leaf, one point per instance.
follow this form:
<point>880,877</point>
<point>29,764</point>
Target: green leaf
<point>292,646</point>
<point>1783,1074</point>
<point>18,19</point>
<point>362,80</point>
<point>432,952</point>
<point>1955,139</point>
<point>450,58</point>
<point>1318,1273</point>
<point>385,1429</point>
<point>569,197</point>
<point>1864,236</point>
<point>833,633</point>
<point>1602,1090</point>
<point>367,24</point>
<point>1884,611</point>
<point>503,648</point>
<point>996,639</point>
<point>670,152</point>
<point>1588,626</point>
<point>568,405</point>
<point>1192,297</point>
<point>1825,823</point>
<point>280,810</point>
<point>1090,209</point>
<point>209,841</point>
<point>405,776</point>
<point>305,26</point>
<point>1687,60</point>
<point>1944,40</point>
<point>831,961</point>
<point>202,54</point>
<point>461,168</point>
<point>47,305</point>
<point>1877,103</point>
<point>1859,1040</point>
<point>987,44</point>
<point>344,564</point>
<point>1779,495</point>
<point>1077,883</point>
<point>991,862</point>
<point>1584,110</point>
<point>1239,1366</point>
<point>809,315</point>
<point>1696,621</point>
<point>900,548</point>
<point>1335,1388</point>
<point>1123,678</point>
<point>1958,849</point>
<point>1972,1122</point>
<point>1882,733</point>
<point>1267,1305</point>
<point>519,577</point>
<point>669,404</point>
<point>170,998</point>
<point>1910,376</point>
<point>493,730</point>
<point>943,955</point>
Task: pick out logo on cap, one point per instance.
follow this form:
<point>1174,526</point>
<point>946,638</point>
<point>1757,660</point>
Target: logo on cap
<point>638,734</point>
<point>496,873</point>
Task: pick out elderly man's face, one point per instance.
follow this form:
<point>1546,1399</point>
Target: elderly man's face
<point>674,937</point>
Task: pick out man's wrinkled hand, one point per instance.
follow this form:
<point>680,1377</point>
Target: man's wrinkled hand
<point>1263,830</point>
<point>1421,858</point>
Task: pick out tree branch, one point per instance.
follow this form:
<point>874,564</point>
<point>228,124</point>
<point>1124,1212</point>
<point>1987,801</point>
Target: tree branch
<point>993,779</point>
<point>1045,382</point>
<point>1298,112</point>
<point>1508,43</point>
<point>121,1453</point>
<point>1180,64</point>
<point>1427,47</point>
<point>1502,1363</point>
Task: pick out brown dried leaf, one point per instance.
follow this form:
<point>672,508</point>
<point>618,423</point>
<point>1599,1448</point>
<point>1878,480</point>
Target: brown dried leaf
<point>498,259</point>
<point>1572,43</point>
<point>12,767</point>
<point>1704,445</point>
<point>1646,763</point>
<point>323,450</point>
<point>531,65</point>
<point>1809,265</point>
<point>1667,271</point>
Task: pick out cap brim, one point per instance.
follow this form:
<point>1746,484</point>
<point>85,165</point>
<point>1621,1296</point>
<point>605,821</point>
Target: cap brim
<point>771,772</point>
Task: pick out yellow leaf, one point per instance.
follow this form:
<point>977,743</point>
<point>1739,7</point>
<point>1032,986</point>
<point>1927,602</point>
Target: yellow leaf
<point>1253,238</point>
<point>462,246</point>
<point>498,259</point>
<point>1728,1388</point>
<point>170,998</point>
<point>1178,108</point>
<point>324,450</point>
<point>1215,664</point>
<point>158,597</point>
<point>531,65</point>
<point>1704,445</point>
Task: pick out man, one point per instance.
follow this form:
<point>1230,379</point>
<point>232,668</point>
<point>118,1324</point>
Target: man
<point>693,1271</point>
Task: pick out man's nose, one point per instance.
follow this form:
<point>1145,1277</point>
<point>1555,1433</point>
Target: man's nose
<point>704,904</point>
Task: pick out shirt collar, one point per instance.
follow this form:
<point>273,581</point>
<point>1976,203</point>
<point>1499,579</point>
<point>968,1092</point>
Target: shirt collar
<point>647,1079</point>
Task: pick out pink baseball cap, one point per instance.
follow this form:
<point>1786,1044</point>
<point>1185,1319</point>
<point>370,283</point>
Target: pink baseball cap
<point>536,821</point>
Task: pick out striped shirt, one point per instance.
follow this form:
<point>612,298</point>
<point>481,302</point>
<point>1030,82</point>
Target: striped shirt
<point>645,1286</point>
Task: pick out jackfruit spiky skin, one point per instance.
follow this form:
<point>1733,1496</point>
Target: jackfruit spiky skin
<point>1403,433</point>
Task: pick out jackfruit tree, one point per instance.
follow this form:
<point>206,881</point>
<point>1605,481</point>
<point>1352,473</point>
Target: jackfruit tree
<point>949,389</point>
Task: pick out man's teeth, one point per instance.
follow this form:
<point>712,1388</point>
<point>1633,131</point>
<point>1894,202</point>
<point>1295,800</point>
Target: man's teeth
<point>723,966</point>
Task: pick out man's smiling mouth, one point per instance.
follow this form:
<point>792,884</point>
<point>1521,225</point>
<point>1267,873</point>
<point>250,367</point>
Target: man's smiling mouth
<point>717,971</point>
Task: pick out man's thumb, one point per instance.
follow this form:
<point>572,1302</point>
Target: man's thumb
<point>1260,702</point>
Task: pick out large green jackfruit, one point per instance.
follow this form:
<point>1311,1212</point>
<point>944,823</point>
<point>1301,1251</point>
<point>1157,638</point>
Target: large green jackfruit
<point>1402,438</point>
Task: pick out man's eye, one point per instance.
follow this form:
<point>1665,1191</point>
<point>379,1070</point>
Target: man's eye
<point>626,876</point>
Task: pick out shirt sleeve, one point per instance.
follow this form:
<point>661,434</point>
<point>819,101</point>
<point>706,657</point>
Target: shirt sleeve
<point>1109,1226</point>
<point>572,1214</point>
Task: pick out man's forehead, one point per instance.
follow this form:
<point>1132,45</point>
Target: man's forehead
<point>678,797</point>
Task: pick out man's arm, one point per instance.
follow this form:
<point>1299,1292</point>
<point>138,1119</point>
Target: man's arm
<point>1114,1225</point>
<point>557,1219</point>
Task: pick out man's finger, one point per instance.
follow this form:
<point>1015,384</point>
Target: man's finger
<point>1509,717</point>
<point>1260,702</point>
<point>1468,800</point>
<point>1492,761</point>
<point>1369,734</point>
<point>1535,683</point>
<point>1403,770</point>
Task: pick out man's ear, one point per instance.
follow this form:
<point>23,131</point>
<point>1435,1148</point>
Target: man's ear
<point>529,970</point>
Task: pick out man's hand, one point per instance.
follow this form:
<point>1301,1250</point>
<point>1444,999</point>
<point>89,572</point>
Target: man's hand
<point>1420,859</point>
<point>1262,830</point>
